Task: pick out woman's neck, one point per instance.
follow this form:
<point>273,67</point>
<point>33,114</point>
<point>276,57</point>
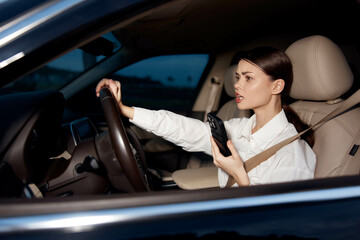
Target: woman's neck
<point>264,114</point>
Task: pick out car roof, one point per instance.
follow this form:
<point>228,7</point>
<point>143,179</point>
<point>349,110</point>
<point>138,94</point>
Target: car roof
<point>30,40</point>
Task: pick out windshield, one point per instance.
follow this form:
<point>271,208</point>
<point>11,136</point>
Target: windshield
<point>61,71</point>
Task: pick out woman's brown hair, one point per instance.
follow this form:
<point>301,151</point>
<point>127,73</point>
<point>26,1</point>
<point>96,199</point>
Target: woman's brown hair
<point>277,65</point>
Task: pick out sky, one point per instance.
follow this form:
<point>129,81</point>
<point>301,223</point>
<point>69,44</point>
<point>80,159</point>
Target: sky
<point>183,70</point>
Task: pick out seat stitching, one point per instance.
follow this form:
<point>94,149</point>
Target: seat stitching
<point>317,72</point>
<point>346,160</point>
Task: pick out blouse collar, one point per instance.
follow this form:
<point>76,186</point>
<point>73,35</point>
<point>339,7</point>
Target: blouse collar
<point>268,133</point>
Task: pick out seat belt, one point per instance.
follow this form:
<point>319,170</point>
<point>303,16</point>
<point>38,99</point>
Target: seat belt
<point>263,156</point>
<point>215,85</point>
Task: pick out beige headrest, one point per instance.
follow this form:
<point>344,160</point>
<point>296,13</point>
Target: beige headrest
<point>321,71</point>
<point>229,80</point>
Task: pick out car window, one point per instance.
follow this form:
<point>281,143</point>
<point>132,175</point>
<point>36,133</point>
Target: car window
<point>163,82</point>
<point>59,72</point>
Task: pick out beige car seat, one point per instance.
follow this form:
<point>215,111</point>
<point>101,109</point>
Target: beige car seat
<point>321,76</point>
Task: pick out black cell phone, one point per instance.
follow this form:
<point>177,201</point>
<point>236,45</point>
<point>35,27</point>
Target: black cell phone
<point>219,134</point>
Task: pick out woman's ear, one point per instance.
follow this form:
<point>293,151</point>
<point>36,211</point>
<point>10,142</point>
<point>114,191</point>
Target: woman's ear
<point>278,86</point>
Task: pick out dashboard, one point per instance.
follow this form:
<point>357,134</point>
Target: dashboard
<point>82,129</point>
<point>30,132</point>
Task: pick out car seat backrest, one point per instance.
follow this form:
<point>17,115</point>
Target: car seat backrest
<point>321,76</point>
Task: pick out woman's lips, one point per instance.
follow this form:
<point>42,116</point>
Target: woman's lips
<point>239,98</point>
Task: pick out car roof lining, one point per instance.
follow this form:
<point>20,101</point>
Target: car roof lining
<point>166,28</point>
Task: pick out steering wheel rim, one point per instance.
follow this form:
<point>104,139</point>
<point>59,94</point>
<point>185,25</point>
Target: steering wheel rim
<point>121,143</point>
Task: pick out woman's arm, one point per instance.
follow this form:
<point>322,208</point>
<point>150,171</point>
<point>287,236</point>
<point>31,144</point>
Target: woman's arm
<point>190,134</point>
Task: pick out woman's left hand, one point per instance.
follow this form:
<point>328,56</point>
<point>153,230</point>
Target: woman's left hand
<point>233,164</point>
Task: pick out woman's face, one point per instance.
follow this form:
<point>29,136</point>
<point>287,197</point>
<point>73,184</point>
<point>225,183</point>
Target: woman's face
<point>253,88</point>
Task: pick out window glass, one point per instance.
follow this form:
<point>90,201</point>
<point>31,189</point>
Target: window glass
<point>62,70</point>
<point>163,82</point>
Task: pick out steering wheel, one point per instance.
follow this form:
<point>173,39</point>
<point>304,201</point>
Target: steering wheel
<point>128,155</point>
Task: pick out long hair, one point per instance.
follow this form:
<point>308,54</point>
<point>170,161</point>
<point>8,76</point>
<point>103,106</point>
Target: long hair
<point>276,64</point>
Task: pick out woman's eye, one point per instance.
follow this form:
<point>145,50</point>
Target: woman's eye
<point>236,79</point>
<point>248,78</point>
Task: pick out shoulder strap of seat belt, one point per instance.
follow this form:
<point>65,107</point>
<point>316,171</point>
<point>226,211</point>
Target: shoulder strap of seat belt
<point>263,156</point>
<point>215,85</point>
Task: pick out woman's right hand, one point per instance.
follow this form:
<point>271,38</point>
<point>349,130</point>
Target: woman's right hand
<point>114,86</point>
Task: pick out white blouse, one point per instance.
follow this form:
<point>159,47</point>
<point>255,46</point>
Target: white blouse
<point>295,161</point>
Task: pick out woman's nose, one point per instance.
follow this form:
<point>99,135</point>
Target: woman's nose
<point>237,84</point>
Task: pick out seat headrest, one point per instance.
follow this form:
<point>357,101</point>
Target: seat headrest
<point>321,71</point>
<point>229,80</point>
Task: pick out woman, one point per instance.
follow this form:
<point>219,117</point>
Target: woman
<point>263,80</point>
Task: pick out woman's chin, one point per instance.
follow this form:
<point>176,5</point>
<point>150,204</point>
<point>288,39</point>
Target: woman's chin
<point>241,106</point>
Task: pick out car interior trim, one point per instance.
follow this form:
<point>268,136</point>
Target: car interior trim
<point>74,132</point>
<point>11,59</point>
<point>77,221</point>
